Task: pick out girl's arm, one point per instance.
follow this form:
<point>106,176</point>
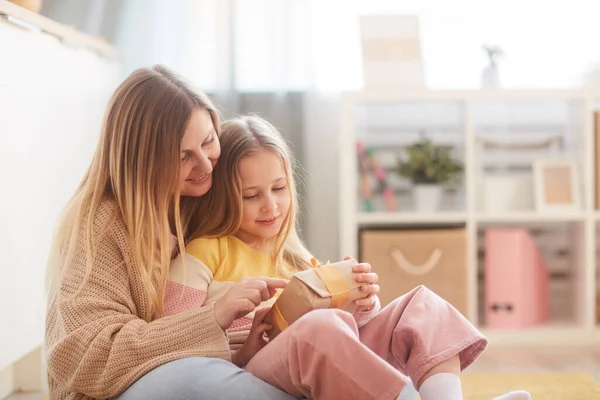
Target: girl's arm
<point>363,315</point>
<point>187,286</point>
<point>370,305</point>
<point>189,277</point>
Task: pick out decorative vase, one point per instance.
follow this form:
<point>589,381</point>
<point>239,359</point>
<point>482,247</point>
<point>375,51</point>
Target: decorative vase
<point>427,197</point>
<point>490,78</point>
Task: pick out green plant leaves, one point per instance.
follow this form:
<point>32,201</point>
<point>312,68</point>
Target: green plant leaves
<point>429,164</point>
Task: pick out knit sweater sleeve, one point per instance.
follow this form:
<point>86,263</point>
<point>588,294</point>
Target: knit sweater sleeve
<point>98,344</point>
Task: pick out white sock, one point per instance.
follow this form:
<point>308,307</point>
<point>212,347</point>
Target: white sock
<point>408,393</point>
<point>517,395</point>
<point>444,386</point>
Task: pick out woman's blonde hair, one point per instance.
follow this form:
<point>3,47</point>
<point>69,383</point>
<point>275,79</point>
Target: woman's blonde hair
<point>242,137</point>
<point>136,165</point>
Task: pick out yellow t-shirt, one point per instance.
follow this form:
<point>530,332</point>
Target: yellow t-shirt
<point>207,270</point>
<point>229,260</point>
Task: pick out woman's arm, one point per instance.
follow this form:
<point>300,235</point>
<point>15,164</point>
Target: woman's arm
<point>97,343</point>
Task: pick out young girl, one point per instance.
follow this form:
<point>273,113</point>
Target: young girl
<point>326,354</point>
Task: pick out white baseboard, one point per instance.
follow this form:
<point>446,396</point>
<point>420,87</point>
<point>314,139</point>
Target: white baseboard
<point>28,374</point>
<point>7,381</point>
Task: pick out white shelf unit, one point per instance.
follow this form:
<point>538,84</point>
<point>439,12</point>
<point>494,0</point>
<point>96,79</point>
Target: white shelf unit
<point>583,327</point>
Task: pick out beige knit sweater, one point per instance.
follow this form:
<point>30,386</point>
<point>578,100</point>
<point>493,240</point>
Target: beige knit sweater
<point>98,344</point>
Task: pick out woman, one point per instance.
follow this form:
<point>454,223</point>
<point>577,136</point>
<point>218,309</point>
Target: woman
<point>135,208</point>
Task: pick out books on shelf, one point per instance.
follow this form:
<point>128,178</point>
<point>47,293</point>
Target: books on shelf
<point>370,167</point>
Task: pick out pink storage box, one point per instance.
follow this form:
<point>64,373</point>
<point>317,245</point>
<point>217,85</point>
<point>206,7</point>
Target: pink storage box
<point>517,282</point>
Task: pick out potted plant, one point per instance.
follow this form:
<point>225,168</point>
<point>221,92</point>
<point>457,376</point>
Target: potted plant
<point>490,78</point>
<point>428,167</point>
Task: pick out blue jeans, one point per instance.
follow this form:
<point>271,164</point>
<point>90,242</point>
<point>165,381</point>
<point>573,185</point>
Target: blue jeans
<point>202,379</point>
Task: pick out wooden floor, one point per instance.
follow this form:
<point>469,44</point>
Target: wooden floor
<point>540,359</point>
<point>26,396</point>
<point>509,359</point>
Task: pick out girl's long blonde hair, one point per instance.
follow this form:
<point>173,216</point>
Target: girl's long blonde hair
<point>242,137</point>
<point>137,166</point>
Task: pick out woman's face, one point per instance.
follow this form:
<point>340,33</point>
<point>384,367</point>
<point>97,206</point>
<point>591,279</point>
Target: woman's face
<point>200,150</point>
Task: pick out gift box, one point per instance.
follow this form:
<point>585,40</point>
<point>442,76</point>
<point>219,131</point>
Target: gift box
<point>328,286</point>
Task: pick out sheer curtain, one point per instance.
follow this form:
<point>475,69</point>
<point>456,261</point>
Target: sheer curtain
<point>290,59</point>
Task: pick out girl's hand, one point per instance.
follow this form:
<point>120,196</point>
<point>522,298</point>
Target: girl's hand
<point>243,297</point>
<point>363,275</point>
<point>256,340</point>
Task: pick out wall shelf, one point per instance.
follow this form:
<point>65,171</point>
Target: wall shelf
<point>66,34</point>
<point>521,217</point>
<point>462,95</point>
<point>406,218</point>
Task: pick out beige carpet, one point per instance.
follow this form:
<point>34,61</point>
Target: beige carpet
<point>542,386</point>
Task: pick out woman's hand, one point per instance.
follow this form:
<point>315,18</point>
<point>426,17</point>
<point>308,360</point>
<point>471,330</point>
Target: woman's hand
<point>256,340</point>
<point>368,280</point>
<point>243,297</point>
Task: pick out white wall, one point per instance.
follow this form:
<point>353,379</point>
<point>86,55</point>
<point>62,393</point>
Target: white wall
<point>52,100</point>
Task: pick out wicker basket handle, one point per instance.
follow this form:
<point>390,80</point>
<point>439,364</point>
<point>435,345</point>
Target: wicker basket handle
<point>547,143</point>
<point>425,268</point>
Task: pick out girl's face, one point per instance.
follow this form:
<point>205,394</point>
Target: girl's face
<point>266,197</point>
<point>200,150</point>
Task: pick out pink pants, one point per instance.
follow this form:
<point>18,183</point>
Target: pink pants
<point>323,355</point>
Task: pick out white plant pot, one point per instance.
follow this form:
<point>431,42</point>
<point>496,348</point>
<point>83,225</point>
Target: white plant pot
<point>427,198</point>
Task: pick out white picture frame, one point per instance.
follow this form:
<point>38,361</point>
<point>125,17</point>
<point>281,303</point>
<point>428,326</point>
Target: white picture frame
<point>557,187</point>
